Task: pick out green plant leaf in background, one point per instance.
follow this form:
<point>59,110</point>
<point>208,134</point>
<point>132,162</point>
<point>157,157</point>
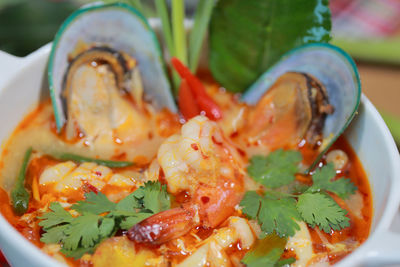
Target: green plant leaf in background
<point>26,25</point>
<point>247,37</point>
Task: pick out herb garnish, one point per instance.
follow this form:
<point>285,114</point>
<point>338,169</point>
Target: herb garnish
<point>278,213</point>
<point>99,218</point>
<point>267,252</point>
<point>322,180</point>
<point>275,170</point>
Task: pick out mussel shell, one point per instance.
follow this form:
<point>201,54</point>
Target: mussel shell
<point>120,27</point>
<point>334,68</point>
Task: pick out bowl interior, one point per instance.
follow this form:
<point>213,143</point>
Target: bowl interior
<point>368,135</point>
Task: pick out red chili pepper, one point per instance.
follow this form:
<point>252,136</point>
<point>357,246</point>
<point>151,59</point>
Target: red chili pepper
<point>210,107</point>
<point>186,101</point>
<point>204,101</point>
<point>87,187</point>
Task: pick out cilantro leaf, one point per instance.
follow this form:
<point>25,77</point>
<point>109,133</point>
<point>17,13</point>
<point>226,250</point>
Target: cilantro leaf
<point>81,234</point>
<point>84,230</point>
<point>273,214</point>
<point>54,235</point>
<point>266,252</point>
<point>57,215</point>
<point>130,221</point>
<point>276,169</point>
<point>279,215</point>
<point>130,203</point>
<point>94,203</point>
<point>321,210</point>
<point>77,253</point>
<point>251,204</point>
<point>322,177</point>
<point>153,196</point>
<point>106,227</point>
<point>269,259</point>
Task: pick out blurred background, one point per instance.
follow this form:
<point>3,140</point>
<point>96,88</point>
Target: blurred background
<point>368,29</point>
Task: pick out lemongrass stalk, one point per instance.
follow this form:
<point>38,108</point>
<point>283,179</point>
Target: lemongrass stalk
<point>178,15</point>
<point>162,12</point>
<point>197,35</point>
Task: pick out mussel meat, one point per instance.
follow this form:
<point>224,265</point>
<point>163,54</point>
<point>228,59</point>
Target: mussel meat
<point>294,107</point>
<point>96,90</point>
<point>124,58</point>
<point>331,74</point>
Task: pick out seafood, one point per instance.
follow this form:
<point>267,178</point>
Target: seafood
<point>67,177</point>
<point>294,108</point>
<point>334,69</point>
<point>94,85</point>
<point>203,163</point>
<point>212,249</point>
<point>112,103</point>
<point>134,39</point>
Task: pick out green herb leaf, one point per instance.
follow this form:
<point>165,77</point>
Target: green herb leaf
<point>83,230</point>
<point>274,215</point>
<point>106,227</point>
<point>54,235</point>
<point>81,234</point>
<point>130,221</point>
<point>130,203</point>
<point>57,215</point>
<point>77,253</point>
<point>266,252</point>
<point>246,38</point>
<point>154,196</point>
<point>251,204</point>
<point>321,210</point>
<point>276,169</point>
<point>280,216</point>
<point>95,203</point>
<point>322,177</point>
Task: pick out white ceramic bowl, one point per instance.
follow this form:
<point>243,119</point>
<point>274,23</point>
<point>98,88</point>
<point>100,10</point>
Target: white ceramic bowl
<point>23,83</point>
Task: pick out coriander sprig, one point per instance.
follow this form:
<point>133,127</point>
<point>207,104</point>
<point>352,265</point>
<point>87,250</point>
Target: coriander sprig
<point>279,212</point>
<point>100,218</point>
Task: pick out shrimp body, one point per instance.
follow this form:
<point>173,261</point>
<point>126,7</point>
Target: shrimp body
<point>200,154</point>
<point>203,163</point>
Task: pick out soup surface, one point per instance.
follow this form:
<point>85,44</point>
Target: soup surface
<point>229,192</point>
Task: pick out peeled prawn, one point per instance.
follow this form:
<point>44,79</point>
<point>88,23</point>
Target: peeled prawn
<point>203,163</point>
<point>67,177</point>
<point>212,249</point>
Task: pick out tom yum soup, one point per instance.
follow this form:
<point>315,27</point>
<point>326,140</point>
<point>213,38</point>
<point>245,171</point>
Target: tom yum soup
<point>114,173</point>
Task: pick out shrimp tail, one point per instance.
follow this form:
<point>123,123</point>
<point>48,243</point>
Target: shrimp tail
<point>165,226</point>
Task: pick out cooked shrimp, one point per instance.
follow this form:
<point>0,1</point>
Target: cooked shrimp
<point>201,162</point>
<point>68,180</point>
<point>212,250</point>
